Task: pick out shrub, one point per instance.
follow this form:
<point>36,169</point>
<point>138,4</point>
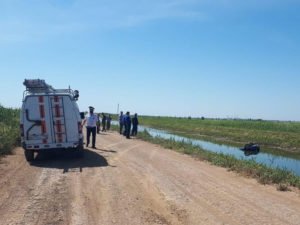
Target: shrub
<point>9,129</point>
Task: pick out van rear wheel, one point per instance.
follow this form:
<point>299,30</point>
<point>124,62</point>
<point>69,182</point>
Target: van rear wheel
<point>29,155</point>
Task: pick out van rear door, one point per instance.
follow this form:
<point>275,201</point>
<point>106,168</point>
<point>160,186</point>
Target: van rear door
<point>72,120</point>
<point>37,122</point>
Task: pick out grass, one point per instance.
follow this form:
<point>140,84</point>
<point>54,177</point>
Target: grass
<point>275,135</point>
<point>265,175</point>
<point>9,129</point>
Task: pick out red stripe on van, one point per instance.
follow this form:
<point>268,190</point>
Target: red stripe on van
<point>58,126</point>
<point>43,127</point>
<point>59,138</point>
<point>42,111</point>
<point>59,130</point>
<point>57,111</point>
<point>42,114</point>
<point>41,99</point>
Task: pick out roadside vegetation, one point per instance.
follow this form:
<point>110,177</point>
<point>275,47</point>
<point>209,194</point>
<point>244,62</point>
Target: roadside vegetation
<point>282,136</point>
<point>9,129</point>
<point>249,168</point>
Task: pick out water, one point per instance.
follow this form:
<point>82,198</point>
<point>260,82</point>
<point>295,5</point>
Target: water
<point>273,161</point>
<point>270,160</point>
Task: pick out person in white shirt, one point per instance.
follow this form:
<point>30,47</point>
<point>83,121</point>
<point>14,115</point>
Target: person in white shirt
<point>91,124</point>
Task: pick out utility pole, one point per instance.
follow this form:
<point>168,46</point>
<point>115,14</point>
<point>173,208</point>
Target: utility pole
<point>118,109</point>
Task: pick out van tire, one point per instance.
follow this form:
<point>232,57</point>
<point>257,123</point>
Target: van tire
<point>29,155</point>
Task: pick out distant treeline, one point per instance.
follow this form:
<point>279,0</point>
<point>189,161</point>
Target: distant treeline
<point>9,129</point>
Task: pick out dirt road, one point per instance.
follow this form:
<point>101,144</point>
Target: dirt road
<point>134,182</point>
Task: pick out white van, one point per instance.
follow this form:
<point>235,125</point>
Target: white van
<point>50,119</point>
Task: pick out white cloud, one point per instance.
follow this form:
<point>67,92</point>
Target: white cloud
<point>20,20</point>
<point>34,19</point>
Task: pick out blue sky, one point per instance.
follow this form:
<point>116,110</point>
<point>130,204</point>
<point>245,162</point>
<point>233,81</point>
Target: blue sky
<point>222,58</point>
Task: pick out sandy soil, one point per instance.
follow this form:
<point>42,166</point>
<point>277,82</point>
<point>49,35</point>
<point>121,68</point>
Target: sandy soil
<point>134,182</point>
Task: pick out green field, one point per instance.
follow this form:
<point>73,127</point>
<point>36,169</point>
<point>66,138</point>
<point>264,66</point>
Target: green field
<point>275,135</point>
<point>9,129</point>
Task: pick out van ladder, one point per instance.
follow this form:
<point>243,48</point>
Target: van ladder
<point>59,123</point>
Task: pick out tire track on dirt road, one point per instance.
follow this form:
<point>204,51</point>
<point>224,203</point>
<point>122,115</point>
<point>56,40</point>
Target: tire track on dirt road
<point>35,196</point>
<point>131,182</point>
<point>220,193</point>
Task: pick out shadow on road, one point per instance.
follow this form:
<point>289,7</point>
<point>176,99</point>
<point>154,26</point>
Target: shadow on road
<point>69,161</point>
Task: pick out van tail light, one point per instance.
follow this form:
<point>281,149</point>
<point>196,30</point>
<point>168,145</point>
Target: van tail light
<point>22,130</point>
<point>79,128</point>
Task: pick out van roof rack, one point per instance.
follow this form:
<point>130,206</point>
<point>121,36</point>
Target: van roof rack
<point>38,86</point>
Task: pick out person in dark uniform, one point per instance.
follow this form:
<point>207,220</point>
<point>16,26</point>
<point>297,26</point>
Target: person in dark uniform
<point>121,122</point>
<point>108,123</point>
<point>103,122</point>
<point>98,124</point>
<point>127,125</point>
<point>124,122</point>
<point>135,123</point>
<point>91,124</point>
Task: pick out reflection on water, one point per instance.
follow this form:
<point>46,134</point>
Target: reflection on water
<point>273,161</point>
<point>248,153</point>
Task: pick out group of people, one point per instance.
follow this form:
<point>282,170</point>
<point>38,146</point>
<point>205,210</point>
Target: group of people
<point>105,120</point>
<point>125,122</point>
<point>93,122</point>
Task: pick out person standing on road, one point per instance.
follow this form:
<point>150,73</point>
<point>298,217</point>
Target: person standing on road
<point>127,125</point>
<point>103,122</point>
<point>98,124</point>
<point>124,122</point>
<point>121,122</point>
<point>135,123</point>
<point>91,124</point>
<point>108,122</point>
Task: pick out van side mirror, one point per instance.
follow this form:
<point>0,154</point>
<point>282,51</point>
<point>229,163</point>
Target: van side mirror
<point>82,115</point>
